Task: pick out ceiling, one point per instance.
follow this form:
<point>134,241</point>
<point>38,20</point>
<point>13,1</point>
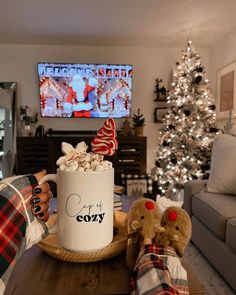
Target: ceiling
<point>154,23</point>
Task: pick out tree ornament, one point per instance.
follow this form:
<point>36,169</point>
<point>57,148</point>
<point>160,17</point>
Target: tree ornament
<point>157,163</point>
<point>213,130</point>
<point>173,160</point>
<point>198,79</point>
<point>165,143</point>
<point>205,167</point>
<point>171,126</point>
<point>199,69</point>
<point>187,112</point>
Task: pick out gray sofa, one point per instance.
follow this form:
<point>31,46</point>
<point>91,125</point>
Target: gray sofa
<point>214,227</point>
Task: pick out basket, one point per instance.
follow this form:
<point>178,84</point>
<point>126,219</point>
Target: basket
<point>117,246</point>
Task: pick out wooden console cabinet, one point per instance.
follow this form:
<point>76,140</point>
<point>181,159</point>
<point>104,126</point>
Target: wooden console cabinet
<point>37,153</point>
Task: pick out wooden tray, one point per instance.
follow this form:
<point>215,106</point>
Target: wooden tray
<point>117,246</point>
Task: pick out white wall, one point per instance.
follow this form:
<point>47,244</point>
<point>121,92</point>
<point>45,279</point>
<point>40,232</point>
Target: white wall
<point>222,54</point>
<point>18,63</point>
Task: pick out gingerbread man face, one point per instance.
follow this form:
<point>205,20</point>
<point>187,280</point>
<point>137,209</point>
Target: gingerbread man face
<point>145,216</point>
<point>178,229</point>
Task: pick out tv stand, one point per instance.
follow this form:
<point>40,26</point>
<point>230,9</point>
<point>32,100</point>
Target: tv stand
<point>37,153</point>
<point>52,132</point>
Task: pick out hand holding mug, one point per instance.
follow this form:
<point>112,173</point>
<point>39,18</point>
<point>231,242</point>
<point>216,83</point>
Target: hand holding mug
<point>41,197</point>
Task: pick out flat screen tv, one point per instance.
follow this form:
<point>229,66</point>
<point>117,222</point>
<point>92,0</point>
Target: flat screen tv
<point>85,90</point>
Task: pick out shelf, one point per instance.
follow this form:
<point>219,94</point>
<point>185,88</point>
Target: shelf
<point>37,153</point>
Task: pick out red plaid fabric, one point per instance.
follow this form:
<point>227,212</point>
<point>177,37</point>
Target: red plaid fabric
<point>13,223</point>
<point>158,271</point>
<point>13,226</point>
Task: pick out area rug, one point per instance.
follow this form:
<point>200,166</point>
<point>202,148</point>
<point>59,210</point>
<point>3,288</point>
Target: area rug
<point>207,275</point>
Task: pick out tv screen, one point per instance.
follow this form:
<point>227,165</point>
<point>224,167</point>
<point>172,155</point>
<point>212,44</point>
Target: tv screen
<point>85,90</point>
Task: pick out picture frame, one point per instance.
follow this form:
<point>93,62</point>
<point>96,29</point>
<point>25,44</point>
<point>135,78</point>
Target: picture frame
<point>137,184</point>
<point>226,92</point>
<point>160,111</point>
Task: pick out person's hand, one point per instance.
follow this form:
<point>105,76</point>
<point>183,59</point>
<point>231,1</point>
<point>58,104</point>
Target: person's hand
<point>41,197</point>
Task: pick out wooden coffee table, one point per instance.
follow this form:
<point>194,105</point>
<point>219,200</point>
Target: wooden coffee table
<point>195,286</point>
<point>36,273</point>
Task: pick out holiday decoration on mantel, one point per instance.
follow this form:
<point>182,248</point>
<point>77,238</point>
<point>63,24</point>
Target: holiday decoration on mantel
<point>126,129</point>
<point>138,123</point>
<point>161,102</point>
<point>28,119</point>
<point>189,127</point>
<point>160,91</point>
<point>228,128</point>
<point>27,116</point>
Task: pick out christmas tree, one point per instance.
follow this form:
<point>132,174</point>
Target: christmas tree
<point>189,127</point>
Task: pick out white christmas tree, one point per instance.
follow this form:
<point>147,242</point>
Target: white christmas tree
<point>188,129</point>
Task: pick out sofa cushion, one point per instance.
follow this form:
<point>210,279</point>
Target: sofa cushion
<point>214,210</point>
<point>222,177</point>
<point>231,234</point>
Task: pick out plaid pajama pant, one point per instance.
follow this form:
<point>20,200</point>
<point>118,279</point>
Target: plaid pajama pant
<point>18,230</point>
<point>158,270</point>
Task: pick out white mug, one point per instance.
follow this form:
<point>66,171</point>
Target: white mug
<point>84,208</point>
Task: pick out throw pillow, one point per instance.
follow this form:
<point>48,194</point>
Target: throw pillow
<point>165,203</point>
<point>222,177</point>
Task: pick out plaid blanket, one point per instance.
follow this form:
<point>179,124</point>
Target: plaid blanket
<point>158,270</point>
<point>18,230</point>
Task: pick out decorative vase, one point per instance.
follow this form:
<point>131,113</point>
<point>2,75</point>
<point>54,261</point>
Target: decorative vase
<point>126,128</point>
<point>138,131</point>
<point>178,196</point>
<point>27,130</point>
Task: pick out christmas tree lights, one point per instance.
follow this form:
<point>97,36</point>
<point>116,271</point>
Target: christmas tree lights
<point>189,127</point>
